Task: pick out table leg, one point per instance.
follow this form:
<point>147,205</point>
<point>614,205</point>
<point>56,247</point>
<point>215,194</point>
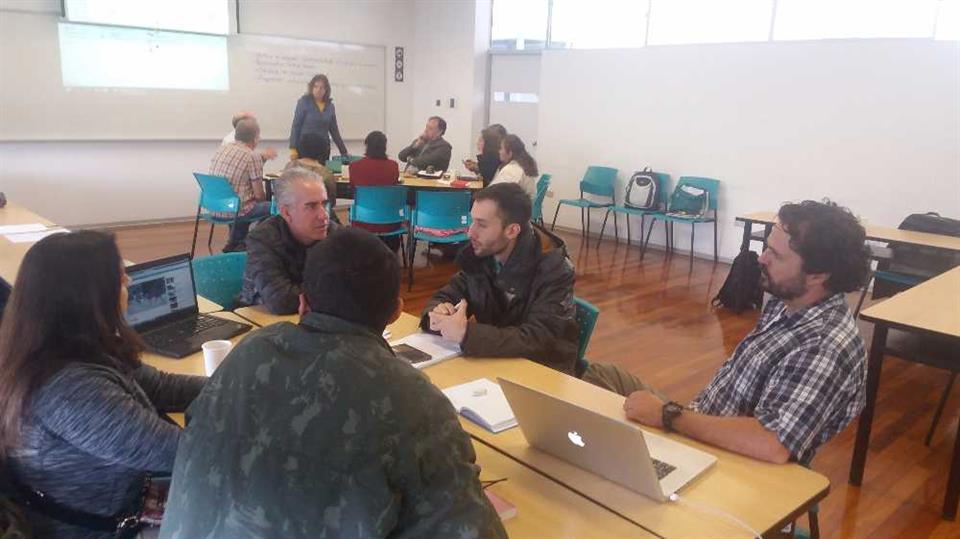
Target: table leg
<point>874,362</point>
<point>747,230</point>
<point>953,484</point>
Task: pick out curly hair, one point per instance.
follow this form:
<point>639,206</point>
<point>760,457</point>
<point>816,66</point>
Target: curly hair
<point>829,239</point>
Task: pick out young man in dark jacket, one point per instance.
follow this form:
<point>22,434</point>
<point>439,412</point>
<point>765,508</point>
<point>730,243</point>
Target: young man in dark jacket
<point>513,295</point>
<point>277,247</point>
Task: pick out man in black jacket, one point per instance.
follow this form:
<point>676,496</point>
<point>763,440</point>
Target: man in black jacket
<point>515,280</point>
<point>277,247</point>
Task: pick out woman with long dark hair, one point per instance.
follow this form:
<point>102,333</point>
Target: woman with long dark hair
<point>488,156</point>
<point>518,166</point>
<point>315,113</point>
<point>79,413</point>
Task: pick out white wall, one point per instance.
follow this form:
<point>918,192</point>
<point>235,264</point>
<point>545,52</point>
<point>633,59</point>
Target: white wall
<point>77,183</point>
<point>872,124</point>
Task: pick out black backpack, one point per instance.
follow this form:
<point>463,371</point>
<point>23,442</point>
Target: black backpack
<point>741,291</point>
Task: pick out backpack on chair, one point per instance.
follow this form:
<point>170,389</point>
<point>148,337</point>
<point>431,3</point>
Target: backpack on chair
<point>642,191</point>
<point>741,291</point>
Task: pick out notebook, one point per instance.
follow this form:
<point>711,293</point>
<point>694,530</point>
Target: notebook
<point>482,401</point>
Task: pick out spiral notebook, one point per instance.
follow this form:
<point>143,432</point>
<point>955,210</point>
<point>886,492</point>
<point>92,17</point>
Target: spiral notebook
<point>482,401</point>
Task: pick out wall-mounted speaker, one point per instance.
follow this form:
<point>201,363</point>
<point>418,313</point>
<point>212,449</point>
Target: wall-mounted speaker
<point>398,64</point>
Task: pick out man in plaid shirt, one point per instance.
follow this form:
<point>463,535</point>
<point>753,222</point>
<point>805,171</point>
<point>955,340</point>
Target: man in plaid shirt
<point>798,378</point>
<point>244,169</point>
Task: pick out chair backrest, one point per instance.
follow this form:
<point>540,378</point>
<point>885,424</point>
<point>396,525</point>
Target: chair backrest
<point>600,181</point>
<point>708,184</point>
<point>219,278</point>
<point>379,204</point>
<point>442,209</point>
<point>587,314</point>
<point>543,185</point>
<point>216,194</point>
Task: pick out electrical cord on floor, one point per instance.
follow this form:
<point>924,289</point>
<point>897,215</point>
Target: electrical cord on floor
<point>704,508</point>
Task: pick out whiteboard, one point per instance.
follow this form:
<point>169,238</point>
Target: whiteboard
<point>267,76</point>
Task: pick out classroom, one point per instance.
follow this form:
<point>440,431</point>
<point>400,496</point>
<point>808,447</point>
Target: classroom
<point>482,268</point>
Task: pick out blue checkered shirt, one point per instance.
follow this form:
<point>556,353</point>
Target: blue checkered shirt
<point>802,375</point>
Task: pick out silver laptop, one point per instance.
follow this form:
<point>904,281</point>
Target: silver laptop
<point>614,449</point>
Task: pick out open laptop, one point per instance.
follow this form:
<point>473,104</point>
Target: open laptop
<point>617,450</point>
<point>162,307</point>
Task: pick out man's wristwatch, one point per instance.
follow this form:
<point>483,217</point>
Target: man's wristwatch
<point>670,411</point>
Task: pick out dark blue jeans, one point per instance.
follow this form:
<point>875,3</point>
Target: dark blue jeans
<point>238,232</point>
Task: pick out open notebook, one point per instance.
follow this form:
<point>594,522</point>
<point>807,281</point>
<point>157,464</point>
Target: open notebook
<point>482,401</point>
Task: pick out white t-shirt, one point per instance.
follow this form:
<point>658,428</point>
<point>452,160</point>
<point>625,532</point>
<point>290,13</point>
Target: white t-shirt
<point>231,136</point>
<point>512,172</point>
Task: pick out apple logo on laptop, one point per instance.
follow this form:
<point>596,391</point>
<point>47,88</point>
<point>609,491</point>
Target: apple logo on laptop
<point>576,439</point>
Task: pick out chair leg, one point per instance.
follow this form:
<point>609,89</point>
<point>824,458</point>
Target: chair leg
<point>943,402</point>
<point>629,238</point>
<point>644,242</point>
<point>814,518</point>
<point>196,228</point>
<point>603,227</point>
<point>413,251</point>
<point>588,225</point>
<point>693,231</point>
<point>403,253</point>
<point>583,223</point>
<point>210,240</point>
<point>616,228</point>
<point>554,224</point>
<point>715,257</point>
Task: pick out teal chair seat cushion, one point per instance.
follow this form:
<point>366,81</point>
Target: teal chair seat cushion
<point>209,217</point>
<point>684,218</point>
<point>456,238</point>
<point>633,211</point>
<point>584,203</point>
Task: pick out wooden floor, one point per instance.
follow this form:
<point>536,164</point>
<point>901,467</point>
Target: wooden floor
<point>656,321</point>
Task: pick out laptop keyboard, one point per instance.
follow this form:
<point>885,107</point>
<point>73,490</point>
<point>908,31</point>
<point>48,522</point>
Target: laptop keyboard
<point>662,468</point>
<point>183,330</point>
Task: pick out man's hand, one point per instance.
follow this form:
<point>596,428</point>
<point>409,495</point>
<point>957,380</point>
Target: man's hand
<point>269,154</point>
<point>644,407</point>
<point>453,326</point>
<point>419,141</point>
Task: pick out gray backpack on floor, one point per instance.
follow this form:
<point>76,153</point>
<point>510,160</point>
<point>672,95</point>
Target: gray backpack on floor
<point>642,191</point>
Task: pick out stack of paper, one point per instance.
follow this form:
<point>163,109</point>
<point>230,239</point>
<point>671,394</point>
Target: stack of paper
<point>482,401</point>
<point>28,233</point>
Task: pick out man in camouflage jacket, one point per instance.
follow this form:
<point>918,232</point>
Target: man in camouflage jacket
<point>319,430</point>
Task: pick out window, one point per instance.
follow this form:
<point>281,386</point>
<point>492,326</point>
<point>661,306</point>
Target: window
<point>590,24</point>
<point>174,44</point>
<point>825,19</point>
<point>519,24</point>
<point>598,24</point>
<point>709,21</point>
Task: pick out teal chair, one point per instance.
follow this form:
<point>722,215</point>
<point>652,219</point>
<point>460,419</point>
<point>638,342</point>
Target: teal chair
<point>663,180</point>
<point>382,205</point>
<point>335,164</point>
<point>219,278</point>
<point>543,185</point>
<point>216,197</point>
<point>587,314</point>
<point>713,188</point>
<point>597,181</point>
<point>437,210</point>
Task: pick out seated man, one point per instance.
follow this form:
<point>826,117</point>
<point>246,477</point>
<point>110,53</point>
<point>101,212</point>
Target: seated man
<point>429,150</point>
<point>277,248</point>
<point>230,137</point>
<point>244,170</point>
<point>320,430</point>
<point>798,378</point>
<point>516,281</point>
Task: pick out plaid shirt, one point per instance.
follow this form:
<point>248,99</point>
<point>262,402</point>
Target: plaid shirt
<point>238,163</point>
<point>802,375</point>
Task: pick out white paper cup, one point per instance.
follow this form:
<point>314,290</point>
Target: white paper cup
<point>213,354</point>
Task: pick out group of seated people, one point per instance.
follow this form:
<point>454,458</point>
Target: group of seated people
<point>317,429</point>
<point>502,158</point>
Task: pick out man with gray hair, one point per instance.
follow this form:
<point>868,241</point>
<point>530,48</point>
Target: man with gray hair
<point>244,170</point>
<point>277,247</point>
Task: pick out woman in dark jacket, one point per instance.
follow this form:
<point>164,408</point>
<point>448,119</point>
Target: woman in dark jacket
<point>315,113</point>
<point>79,413</point>
<point>488,158</point>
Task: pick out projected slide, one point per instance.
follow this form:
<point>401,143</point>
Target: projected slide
<point>111,57</point>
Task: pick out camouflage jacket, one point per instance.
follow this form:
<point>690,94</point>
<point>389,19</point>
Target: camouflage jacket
<point>318,430</point>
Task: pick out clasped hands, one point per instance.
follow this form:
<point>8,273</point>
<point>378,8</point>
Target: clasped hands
<point>450,320</point>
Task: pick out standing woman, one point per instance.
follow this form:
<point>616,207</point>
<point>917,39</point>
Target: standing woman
<point>79,413</point>
<point>518,165</point>
<point>315,113</point>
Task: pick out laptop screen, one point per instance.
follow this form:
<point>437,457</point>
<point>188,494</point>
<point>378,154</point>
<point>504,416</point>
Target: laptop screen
<point>159,289</point>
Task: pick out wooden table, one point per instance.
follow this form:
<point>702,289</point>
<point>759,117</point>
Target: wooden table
<point>766,496</point>
<point>12,253</point>
<point>932,308</point>
<point>546,508</point>
<point>874,232</point>
<point>15,214</point>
